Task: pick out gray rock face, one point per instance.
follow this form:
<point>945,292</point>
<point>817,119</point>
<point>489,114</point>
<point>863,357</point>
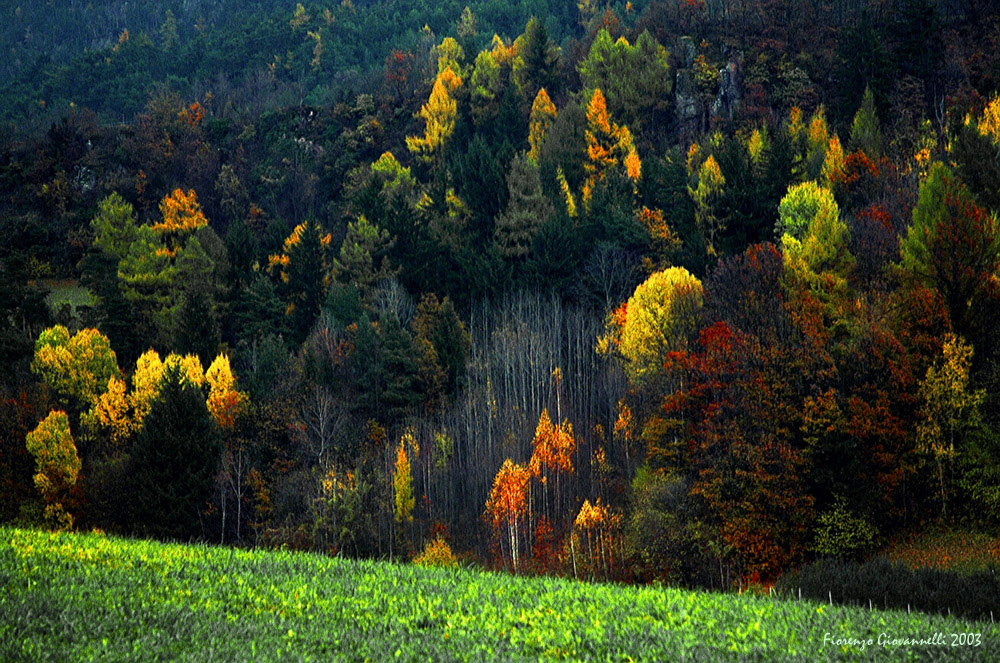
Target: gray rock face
<point>686,105</point>
<point>728,98</point>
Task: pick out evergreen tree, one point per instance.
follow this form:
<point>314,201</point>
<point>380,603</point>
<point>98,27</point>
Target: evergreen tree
<point>541,58</point>
<point>402,376</point>
<point>527,209</point>
<point>197,326</point>
<point>865,132</point>
<point>175,459</point>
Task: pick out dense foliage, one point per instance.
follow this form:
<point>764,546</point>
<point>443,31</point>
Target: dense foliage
<point>679,291</point>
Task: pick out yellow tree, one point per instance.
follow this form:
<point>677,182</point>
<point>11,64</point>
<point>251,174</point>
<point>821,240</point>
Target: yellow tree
<point>111,413</point>
<point>656,320</point>
<point>706,196</point>
<point>949,406</point>
<point>607,143</point>
<point>439,115</point>
<point>402,482</point>
<point>224,399</point>
<point>508,504</point>
<point>145,385</point>
<point>543,114</point>
<point>597,522</point>
<point>57,464</point>
<point>181,213</point>
<point>76,367</point>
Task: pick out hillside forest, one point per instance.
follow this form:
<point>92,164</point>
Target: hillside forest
<point>692,291</point>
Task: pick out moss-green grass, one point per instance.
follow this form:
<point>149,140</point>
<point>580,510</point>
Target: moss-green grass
<point>68,597</point>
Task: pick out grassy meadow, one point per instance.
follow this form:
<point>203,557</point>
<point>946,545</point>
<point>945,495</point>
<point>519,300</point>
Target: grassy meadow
<point>90,597</point>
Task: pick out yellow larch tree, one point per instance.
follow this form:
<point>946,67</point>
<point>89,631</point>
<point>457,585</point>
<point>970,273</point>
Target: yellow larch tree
<point>439,115</point>
<point>181,213</point>
<point>402,483</point>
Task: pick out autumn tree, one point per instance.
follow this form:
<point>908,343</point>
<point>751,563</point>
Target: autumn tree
<point>57,465</point>
<point>950,407</point>
<point>507,507</point>
<point>656,320</point>
<point>224,400</point>
<point>181,213</point>
<point>608,145</point>
<point>439,115</point>
<point>598,525</point>
<point>76,367</point>
<point>402,481</point>
<point>551,456</point>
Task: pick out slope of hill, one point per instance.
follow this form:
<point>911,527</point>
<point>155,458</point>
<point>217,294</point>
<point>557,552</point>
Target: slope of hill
<point>91,597</point>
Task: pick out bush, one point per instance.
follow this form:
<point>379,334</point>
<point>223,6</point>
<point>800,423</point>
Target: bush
<point>437,553</point>
<point>843,535</point>
<point>893,585</point>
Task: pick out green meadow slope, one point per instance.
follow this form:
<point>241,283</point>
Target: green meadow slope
<point>71,597</point>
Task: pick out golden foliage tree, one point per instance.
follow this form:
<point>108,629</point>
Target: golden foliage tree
<point>402,482</point>
<point>224,399</point>
<point>656,320</point>
<point>607,143</point>
<point>439,115</point>
<point>949,407</point>
<point>57,464</point>
<point>111,412</point>
<point>181,213</point>
<point>76,367</point>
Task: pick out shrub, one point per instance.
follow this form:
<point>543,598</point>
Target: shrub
<point>437,553</point>
<point>844,535</point>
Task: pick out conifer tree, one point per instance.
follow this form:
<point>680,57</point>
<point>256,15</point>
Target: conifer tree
<point>175,458</point>
<point>527,209</point>
<point>866,135</point>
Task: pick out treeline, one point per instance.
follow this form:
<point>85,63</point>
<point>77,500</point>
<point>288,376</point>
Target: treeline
<point>681,297</point>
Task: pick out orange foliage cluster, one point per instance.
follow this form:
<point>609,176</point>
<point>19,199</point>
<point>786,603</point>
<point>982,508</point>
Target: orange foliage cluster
<point>508,499</point>
<point>553,446</point>
<point>181,213</point>
<point>193,114</point>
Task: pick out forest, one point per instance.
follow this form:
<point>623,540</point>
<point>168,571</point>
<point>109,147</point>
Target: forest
<point>688,291</point>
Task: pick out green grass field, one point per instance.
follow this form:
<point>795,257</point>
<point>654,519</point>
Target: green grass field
<point>89,597</point>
